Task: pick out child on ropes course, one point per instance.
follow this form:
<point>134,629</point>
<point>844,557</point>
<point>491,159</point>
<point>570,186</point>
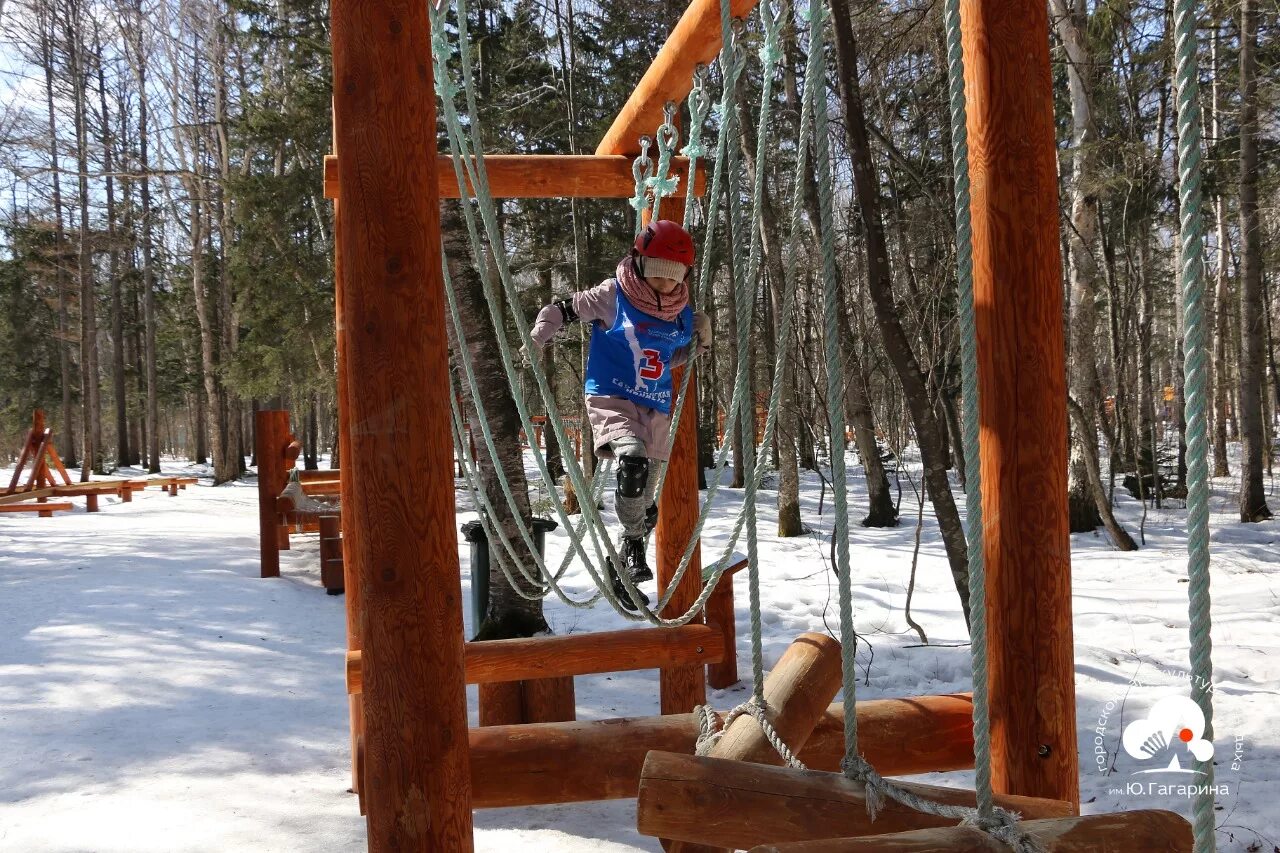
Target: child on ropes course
<point>641,327</point>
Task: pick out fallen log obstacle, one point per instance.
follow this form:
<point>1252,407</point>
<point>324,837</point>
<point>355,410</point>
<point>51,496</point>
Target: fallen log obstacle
<point>1148,830</point>
<point>737,804</point>
<point>523,765</point>
<point>279,514</point>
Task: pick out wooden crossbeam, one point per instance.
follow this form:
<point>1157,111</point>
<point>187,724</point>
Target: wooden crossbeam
<point>694,41</point>
<point>544,176</point>
<point>50,507</point>
<point>577,654</point>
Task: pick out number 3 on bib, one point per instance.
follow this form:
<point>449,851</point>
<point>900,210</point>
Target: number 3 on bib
<point>652,367</point>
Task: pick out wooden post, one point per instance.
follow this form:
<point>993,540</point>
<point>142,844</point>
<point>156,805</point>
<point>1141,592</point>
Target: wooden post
<point>351,553</point>
<point>737,804</point>
<point>271,431</point>
<point>1122,832</point>
<point>91,502</point>
<point>398,468</point>
<point>1018,297</point>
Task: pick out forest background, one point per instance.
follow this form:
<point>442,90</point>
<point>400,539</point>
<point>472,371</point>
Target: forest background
<point>166,252</point>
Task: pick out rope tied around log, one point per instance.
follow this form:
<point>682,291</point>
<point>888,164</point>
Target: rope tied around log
<point>711,729</point>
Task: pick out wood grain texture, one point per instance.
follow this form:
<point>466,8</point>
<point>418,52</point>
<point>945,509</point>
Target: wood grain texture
<point>545,176</point>
<point>1147,831</point>
<point>271,433</point>
<point>695,40</point>
<point>522,765</point>
<point>520,658</point>
<point>681,688</point>
<point>736,804</point>
<point>797,692</point>
<point>1018,298</point>
<point>351,554</point>
<point>416,778</point>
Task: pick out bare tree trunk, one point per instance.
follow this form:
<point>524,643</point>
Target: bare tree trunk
<point>897,347</point>
<point>90,394</point>
<point>152,421</point>
<point>509,614</point>
<point>68,434</point>
<point>231,462</point>
<point>1085,469</point>
<point>1253,496</point>
<point>1223,302</point>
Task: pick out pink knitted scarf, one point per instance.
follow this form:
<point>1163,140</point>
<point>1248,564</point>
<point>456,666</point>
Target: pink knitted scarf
<point>648,300</point>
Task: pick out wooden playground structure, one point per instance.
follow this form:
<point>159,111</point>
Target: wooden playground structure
<point>418,776</point>
<point>280,515</point>
<point>32,493</point>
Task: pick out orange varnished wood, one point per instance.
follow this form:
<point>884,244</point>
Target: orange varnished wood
<point>695,40</point>
<point>720,614</point>
<point>521,658</point>
<point>525,765</point>
<point>271,433</point>
<point>1018,296</point>
<point>46,508</point>
<point>416,778</point>
<point>797,692</point>
<point>1147,831</point>
<point>545,176</point>
<point>737,804</point>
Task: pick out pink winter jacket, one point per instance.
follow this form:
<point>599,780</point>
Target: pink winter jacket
<point>611,417</point>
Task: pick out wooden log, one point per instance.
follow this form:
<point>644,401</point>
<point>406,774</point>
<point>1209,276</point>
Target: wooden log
<point>417,781</point>
<point>681,688</point>
<point>522,765</point>
<point>797,692</point>
<point>126,493</point>
<point>1018,297</point>
<point>522,658</point>
<point>28,444</point>
<point>695,41</point>
<point>44,506</point>
<point>94,487</point>
<point>271,432</point>
<point>91,502</point>
<point>549,700</point>
<point>1146,831</point>
<point>331,554</point>
<point>737,804</point>
<point>546,176</point>
<point>720,614</point>
<point>20,496</point>
<point>499,703</point>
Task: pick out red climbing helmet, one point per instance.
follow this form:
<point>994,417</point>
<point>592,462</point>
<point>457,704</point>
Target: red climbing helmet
<point>666,239</point>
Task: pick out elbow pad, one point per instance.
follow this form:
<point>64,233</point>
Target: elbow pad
<point>567,314</point>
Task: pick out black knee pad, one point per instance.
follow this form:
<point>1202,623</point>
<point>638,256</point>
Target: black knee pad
<point>633,476</point>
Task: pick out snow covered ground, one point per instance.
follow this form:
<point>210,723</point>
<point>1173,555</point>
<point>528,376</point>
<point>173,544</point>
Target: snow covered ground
<point>156,695</point>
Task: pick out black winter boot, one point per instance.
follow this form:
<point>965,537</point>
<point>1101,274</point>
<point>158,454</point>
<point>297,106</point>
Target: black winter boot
<point>633,557</point>
<point>619,590</point>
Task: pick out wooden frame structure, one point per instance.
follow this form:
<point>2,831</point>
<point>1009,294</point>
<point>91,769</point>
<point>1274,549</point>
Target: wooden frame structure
<point>414,768</point>
<point>33,496</point>
<point>277,452</point>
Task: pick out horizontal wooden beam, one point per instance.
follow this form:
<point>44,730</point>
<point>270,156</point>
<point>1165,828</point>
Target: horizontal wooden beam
<point>526,765</point>
<point>694,41</point>
<point>544,176</point>
<point>524,658</point>
<point>739,805</point>
<point>18,497</point>
<point>1119,832</point>
<point>51,506</point>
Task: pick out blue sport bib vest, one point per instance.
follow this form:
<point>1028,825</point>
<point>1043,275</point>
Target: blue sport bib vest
<point>632,359</point>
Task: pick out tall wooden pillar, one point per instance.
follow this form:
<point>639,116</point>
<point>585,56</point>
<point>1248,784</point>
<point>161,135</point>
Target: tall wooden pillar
<point>397,470</point>
<point>1018,294</point>
<point>271,434</point>
<point>684,687</point>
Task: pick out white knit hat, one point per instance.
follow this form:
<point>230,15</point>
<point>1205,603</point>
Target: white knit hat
<point>663,268</point>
